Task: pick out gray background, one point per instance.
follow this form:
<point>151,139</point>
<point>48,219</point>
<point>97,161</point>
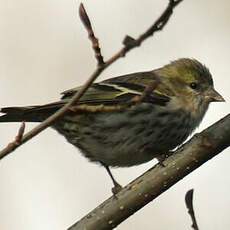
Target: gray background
<point>46,184</point>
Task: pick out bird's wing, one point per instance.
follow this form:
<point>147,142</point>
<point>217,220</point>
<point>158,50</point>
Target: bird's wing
<point>110,95</point>
<point>119,90</point>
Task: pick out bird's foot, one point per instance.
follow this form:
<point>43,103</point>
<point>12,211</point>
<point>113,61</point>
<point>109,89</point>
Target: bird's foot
<point>116,189</point>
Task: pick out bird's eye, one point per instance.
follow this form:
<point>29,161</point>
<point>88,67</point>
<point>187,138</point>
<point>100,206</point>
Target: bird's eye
<point>193,85</point>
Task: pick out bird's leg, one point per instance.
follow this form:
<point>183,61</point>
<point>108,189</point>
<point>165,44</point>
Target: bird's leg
<point>117,187</point>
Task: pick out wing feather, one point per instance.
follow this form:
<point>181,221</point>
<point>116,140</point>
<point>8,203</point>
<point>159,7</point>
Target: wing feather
<point>119,90</point>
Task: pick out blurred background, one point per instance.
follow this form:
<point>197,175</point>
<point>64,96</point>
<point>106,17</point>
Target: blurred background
<point>46,184</point>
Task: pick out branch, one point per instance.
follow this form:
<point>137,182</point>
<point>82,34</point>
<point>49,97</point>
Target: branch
<point>189,205</point>
<point>129,43</point>
<point>137,194</point>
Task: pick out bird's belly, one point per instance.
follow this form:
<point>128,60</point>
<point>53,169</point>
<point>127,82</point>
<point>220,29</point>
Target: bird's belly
<point>126,139</point>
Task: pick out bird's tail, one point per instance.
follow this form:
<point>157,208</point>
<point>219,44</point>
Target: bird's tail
<point>29,113</point>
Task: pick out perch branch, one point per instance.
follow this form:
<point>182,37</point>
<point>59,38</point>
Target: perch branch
<point>129,43</point>
<point>198,150</point>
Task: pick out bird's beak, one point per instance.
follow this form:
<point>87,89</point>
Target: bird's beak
<point>212,95</point>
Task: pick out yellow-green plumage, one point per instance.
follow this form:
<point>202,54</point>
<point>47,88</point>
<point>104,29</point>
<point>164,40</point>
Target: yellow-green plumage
<point>112,128</point>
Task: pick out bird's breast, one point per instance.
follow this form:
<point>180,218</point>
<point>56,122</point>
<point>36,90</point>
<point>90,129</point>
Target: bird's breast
<point>130,137</point>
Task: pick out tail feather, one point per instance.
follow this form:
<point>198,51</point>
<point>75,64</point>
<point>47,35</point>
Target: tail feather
<point>29,113</point>
<point>18,114</point>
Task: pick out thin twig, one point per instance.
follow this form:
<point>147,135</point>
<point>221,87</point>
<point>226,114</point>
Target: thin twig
<point>18,139</point>
<point>189,205</point>
<point>159,24</point>
<point>128,45</point>
<point>151,184</point>
<point>21,131</point>
<point>147,92</point>
<point>95,43</point>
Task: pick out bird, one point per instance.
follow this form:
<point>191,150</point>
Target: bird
<point>131,119</point>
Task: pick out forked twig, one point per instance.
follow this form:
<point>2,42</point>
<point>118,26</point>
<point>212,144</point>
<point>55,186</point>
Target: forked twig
<point>129,43</point>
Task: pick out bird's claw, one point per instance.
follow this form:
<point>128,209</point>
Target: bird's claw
<point>116,189</point>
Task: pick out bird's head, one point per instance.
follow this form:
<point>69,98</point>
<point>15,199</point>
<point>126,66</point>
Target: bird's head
<point>190,84</point>
<point>189,78</point>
